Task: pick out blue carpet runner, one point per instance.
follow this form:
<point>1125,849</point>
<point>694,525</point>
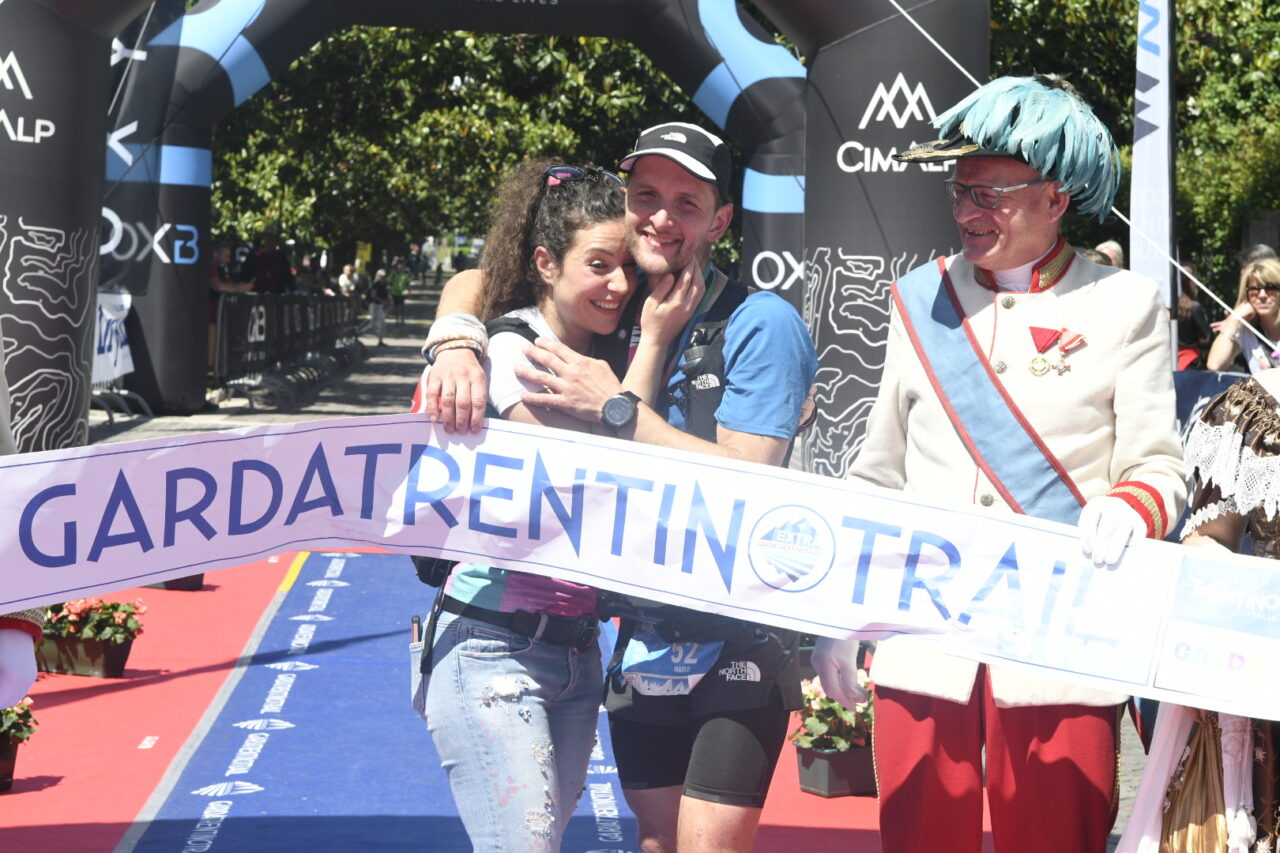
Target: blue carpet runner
<point>317,747</point>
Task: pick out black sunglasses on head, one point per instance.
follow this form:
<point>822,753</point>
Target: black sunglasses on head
<point>563,174</point>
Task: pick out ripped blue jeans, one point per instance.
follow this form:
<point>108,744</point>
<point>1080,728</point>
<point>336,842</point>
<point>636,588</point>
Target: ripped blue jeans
<point>514,722</point>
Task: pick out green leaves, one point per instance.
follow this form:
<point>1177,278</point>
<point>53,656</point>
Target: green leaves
<point>385,135</point>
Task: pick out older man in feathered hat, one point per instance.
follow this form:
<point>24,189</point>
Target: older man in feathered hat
<point>1019,377</point>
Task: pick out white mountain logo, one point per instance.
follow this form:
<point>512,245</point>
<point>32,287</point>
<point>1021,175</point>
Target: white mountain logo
<point>884,104</point>
<point>228,789</point>
<point>264,725</point>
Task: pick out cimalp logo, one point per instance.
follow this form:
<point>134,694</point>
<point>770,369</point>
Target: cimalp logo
<point>791,548</point>
<point>293,665</point>
<point>228,789</point>
<point>264,725</point>
<point>884,104</point>
<point>12,77</point>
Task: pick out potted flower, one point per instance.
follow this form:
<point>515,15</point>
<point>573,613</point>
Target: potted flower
<point>16,725</point>
<point>89,636</point>
<point>832,743</point>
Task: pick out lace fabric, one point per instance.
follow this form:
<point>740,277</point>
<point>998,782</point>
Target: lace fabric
<point>1234,452</point>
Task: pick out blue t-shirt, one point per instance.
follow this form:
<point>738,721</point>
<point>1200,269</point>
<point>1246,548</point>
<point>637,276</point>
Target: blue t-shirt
<point>769,365</point>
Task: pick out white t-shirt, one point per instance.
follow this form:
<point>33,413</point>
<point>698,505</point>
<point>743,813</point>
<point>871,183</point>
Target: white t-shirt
<point>1256,354</point>
<point>506,350</point>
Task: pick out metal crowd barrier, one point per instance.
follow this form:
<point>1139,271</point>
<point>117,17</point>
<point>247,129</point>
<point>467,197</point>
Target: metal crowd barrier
<point>272,348</point>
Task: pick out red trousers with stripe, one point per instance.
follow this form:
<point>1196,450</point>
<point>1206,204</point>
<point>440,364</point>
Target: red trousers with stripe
<point>1050,773</point>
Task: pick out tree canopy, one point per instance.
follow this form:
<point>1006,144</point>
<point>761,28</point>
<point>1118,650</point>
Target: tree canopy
<point>387,134</point>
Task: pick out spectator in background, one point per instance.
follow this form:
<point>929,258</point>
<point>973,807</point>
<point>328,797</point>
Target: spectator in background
<point>398,282</point>
<point>1257,303</point>
<point>379,296</point>
<point>1256,252</point>
<point>1193,326</point>
<point>268,266</point>
<point>1095,256</point>
<point>1112,250</point>
<point>349,281</point>
<point>219,283</point>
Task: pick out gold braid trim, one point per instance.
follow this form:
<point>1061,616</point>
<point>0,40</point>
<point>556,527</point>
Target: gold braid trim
<point>1143,497</point>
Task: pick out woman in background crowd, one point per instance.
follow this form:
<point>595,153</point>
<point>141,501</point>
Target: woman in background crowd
<point>1257,303</point>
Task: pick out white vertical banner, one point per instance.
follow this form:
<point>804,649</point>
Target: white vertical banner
<point>111,355</point>
<point>1151,195</point>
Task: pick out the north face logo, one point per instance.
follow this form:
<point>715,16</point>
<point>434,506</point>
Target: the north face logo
<point>706,381</point>
<point>674,136</point>
<point>741,670</point>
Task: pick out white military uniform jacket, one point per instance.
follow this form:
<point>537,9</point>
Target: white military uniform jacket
<point>1109,420</point>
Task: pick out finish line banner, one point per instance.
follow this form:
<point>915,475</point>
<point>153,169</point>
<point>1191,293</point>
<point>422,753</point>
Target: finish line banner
<point>759,543</point>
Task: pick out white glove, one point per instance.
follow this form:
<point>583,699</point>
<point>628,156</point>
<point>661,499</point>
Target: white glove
<point>836,662</point>
<point>1106,525</point>
<point>17,666</point>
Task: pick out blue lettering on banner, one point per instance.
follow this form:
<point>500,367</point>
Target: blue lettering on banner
<point>870,530</point>
<point>543,488</point>
<point>181,255</point>
<point>1144,43</point>
<point>481,490</point>
<point>724,553</point>
<point>413,495</point>
<point>623,485</point>
<point>1077,607</point>
<point>29,549</point>
<point>317,469</point>
<point>910,581</point>
<point>121,498</point>
<point>1051,597</point>
<point>370,452</point>
<point>111,333</point>
<point>664,521</point>
<point>193,513</point>
<point>1006,570</point>
<point>236,525</point>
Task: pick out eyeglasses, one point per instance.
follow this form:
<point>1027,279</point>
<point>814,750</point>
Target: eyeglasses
<point>988,198</point>
<point>564,174</point>
<point>1269,288</point>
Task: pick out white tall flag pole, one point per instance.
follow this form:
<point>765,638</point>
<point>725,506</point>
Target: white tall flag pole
<point>1151,195</point>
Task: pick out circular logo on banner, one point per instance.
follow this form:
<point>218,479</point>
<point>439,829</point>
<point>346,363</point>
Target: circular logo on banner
<point>791,548</point>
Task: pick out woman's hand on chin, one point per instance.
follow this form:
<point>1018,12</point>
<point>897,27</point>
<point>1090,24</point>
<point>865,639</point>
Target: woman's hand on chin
<point>670,304</point>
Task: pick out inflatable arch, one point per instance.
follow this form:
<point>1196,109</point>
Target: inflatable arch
<point>828,218</point>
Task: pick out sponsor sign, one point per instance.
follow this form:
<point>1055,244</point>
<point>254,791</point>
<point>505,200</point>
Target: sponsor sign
<point>112,357</point>
<point>749,541</point>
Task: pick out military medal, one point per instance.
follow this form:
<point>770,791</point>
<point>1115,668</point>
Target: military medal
<point>1068,342</point>
<point>1043,339</point>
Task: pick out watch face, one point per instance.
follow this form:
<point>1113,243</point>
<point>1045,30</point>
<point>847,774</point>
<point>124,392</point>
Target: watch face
<point>618,411</point>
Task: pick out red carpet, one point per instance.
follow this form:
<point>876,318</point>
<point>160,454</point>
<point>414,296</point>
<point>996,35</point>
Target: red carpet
<point>103,744</point>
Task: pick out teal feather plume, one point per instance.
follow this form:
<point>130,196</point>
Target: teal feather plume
<point>1043,121</point>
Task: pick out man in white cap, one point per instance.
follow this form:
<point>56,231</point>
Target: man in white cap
<point>1018,377</point>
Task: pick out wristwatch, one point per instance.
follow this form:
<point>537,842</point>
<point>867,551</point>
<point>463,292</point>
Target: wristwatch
<point>619,410</point>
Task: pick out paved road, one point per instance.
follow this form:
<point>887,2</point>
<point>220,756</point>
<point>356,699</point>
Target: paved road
<point>382,383</point>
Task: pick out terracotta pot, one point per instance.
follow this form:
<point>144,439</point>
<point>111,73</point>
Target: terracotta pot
<point>829,773</point>
<point>8,757</point>
<point>74,656</point>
